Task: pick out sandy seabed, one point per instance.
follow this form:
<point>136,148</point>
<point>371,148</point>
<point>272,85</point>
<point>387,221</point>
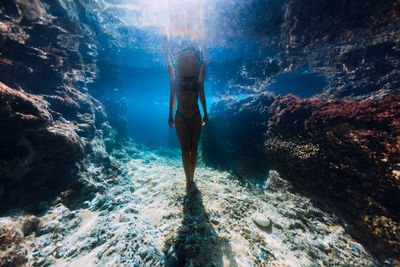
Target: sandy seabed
<point>145,218</point>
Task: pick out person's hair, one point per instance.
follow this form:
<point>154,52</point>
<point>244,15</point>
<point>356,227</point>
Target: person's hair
<point>187,62</point>
<point>195,51</point>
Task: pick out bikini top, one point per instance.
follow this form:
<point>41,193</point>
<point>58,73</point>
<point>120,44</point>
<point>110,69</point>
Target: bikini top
<point>187,83</point>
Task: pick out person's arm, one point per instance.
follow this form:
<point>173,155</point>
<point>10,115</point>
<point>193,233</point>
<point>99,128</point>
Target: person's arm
<point>202,77</point>
<point>171,70</point>
<point>172,97</point>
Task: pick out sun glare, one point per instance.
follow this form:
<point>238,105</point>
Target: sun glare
<point>173,18</point>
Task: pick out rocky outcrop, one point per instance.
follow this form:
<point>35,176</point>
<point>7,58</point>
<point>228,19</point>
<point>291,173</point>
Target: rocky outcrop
<point>353,43</point>
<point>344,152</point>
<point>342,145</point>
<point>50,122</point>
<point>236,134</point>
<point>36,147</point>
<point>347,151</point>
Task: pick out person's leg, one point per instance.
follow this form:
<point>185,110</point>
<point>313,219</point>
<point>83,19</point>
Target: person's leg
<point>194,132</point>
<point>183,135</point>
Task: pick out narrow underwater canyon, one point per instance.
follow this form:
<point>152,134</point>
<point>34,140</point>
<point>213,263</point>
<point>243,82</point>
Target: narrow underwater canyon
<point>299,164</point>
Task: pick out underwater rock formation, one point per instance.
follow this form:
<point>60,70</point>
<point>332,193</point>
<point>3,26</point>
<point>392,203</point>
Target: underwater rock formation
<point>354,44</point>
<point>50,122</point>
<point>53,131</point>
<point>61,111</point>
<point>35,147</point>
<point>345,152</point>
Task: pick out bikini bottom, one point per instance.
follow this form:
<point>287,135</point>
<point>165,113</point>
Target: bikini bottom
<point>188,119</point>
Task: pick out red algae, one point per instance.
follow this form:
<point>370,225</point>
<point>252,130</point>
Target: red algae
<point>373,121</point>
<point>343,152</point>
<point>359,144</point>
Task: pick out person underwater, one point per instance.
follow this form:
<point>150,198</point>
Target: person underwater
<point>187,86</point>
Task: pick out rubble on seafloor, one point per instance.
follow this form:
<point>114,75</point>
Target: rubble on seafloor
<point>142,217</point>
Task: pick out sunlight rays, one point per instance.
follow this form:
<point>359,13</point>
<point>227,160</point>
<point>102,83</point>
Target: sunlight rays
<point>172,18</point>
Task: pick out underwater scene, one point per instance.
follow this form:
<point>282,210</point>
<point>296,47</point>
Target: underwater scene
<point>223,133</point>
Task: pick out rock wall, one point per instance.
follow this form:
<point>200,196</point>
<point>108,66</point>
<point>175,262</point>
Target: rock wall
<point>343,152</point>
<point>354,44</point>
<point>50,122</point>
<point>341,147</point>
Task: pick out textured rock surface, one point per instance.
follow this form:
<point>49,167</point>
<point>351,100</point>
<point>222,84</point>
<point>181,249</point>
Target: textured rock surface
<point>346,152</point>
<point>52,130</point>
<point>35,147</point>
<point>354,43</point>
<point>143,217</point>
<point>13,251</point>
<point>48,118</point>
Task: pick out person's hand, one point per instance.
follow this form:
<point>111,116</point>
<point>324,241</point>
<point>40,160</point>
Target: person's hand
<point>205,57</point>
<point>205,120</point>
<point>171,122</point>
<point>165,47</point>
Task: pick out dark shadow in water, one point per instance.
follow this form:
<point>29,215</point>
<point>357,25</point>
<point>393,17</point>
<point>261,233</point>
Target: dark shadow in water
<point>37,200</point>
<point>197,241</point>
<point>301,82</point>
<point>267,229</point>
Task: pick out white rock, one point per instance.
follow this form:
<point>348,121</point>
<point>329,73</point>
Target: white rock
<point>261,219</point>
<point>123,219</point>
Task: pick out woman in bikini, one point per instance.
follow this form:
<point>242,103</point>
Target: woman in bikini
<point>187,85</point>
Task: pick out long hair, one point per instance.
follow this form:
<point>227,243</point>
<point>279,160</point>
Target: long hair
<point>187,62</point>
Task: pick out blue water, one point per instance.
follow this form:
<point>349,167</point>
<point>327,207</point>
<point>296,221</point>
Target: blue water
<point>300,83</point>
<point>147,99</point>
<point>238,56</point>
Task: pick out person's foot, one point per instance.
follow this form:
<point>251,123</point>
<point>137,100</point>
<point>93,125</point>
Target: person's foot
<point>189,184</point>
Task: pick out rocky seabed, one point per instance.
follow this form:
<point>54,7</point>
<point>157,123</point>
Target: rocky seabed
<point>144,218</point>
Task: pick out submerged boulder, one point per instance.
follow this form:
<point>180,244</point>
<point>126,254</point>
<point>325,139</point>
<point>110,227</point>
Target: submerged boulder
<point>36,148</point>
<point>261,219</point>
<point>343,152</point>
